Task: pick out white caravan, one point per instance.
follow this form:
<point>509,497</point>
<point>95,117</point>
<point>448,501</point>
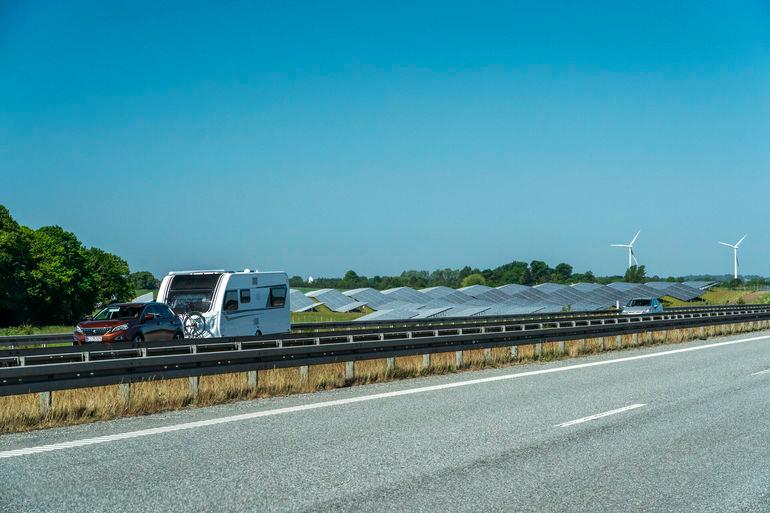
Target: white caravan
<point>228,304</point>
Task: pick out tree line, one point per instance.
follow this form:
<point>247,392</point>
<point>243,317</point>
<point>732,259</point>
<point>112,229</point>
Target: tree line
<point>47,276</point>
<point>523,273</point>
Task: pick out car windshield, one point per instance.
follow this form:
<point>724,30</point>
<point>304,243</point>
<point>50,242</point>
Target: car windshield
<point>192,292</point>
<point>640,302</point>
<point>118,312</point>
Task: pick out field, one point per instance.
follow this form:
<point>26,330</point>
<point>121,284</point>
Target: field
<point>722,296</point>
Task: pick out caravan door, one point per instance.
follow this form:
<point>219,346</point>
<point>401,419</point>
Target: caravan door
<point>240,311</point>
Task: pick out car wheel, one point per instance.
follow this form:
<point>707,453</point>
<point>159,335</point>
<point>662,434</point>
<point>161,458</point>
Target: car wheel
<point>138,338</point>
<point>178,335</point>
<point>258,333</point>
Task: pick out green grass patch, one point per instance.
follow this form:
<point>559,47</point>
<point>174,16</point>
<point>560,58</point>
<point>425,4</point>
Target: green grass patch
<point>297,317</point>
<point>34,330</point>
<point>723,296</point>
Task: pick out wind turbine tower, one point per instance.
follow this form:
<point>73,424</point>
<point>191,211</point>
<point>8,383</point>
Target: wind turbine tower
<point>735,254</point>
<point>631,256</point>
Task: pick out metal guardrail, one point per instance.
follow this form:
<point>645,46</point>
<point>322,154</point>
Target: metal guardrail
<point>43,340</point>
<point>37,370</point>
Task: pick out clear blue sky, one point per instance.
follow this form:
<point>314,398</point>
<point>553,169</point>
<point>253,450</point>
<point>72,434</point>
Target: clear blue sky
<point>318,137</point>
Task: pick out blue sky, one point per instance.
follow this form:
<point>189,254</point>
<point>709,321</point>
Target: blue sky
<point>319,137</point>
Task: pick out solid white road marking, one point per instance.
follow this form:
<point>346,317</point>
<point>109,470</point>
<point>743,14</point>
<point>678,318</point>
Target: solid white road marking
<point>760,372</point>
<point>339,402</point>
<point>599,415</point>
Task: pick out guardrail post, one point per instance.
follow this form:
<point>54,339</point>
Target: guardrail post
<point>252,380</point>
<point>390,364</point>
<point>514,352</point>
<point>124,393</point>
<point>458,359</point>
<point>539,349</point>
<point>304,370</point>
<point>581,345</point>
<point>46,403</point>
<point>194,381</point>
<point>487,355</point>
<point>618,341</point>
<point>562,346</point>
<point>426,360</point>
<point>350,370</point>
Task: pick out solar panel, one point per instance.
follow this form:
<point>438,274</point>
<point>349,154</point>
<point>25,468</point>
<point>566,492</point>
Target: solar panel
<point>531,295</point>
<point>512,288</point>
<point>700,284</point>
<point>683,292</point>
<point>622,285</point>
<point>586,287</point>
<point>299,302</point>
<point>567,294</point>
<point>493,296</point>
<point>437,292</point>
<point>371,297</point>
<point>475,290</point>
<point>432,313</point>
<point>549,287</point>
<point>335,300</point>
<point>407,294</point>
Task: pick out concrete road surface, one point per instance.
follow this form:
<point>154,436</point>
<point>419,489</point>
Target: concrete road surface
<point>672,428</point>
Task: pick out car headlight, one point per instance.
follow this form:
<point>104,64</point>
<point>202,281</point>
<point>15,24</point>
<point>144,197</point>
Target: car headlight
<point>122,327</point>
<point>78,330</point>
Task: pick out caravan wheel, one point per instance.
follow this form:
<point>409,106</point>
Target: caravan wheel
<point>258,333</point>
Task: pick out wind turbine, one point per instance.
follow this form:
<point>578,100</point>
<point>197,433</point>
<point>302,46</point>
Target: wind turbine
<point>631,256</point>
<point>735,254</point>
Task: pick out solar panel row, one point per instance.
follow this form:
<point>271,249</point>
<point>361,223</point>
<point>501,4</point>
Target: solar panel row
<point>474,300</point>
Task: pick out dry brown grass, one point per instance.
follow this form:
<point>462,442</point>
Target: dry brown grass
<point>22,413</point>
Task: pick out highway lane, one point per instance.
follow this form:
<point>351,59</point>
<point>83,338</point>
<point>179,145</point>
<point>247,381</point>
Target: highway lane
<point>696,439</point>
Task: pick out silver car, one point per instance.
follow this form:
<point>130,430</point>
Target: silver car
<point>643,305</point>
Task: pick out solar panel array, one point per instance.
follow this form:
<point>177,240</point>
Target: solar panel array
<point>335,300</point>
<point>480,300</point>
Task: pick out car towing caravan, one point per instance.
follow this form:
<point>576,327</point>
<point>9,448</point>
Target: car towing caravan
<point>221,303</point>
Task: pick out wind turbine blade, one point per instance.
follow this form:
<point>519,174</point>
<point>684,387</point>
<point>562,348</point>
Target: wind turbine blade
<point>619,245</point>
<point>633,255</point>
<point>728,245</point>
<point>739,242</point>
<point>635,237</point>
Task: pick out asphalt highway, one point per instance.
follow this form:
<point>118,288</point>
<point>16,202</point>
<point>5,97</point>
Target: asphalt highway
<point>673,428</point>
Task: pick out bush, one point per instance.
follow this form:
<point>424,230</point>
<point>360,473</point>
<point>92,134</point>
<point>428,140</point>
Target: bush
<point>473,279</point>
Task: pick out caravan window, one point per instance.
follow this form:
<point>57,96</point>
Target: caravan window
<point>192,292</point>
<point>245,296</point>
<point>277,297</point>
<point>231,301</point>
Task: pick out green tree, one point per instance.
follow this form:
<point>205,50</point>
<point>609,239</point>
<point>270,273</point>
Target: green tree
<point>563,272</point>
<point>473,279</point>
<point>110,277</point>
<point>635,274</point>
<point>61,289</point>
<point>296,281</point>
<point>540,271</point>
<point>144,280</point>
<point>15,265</point>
